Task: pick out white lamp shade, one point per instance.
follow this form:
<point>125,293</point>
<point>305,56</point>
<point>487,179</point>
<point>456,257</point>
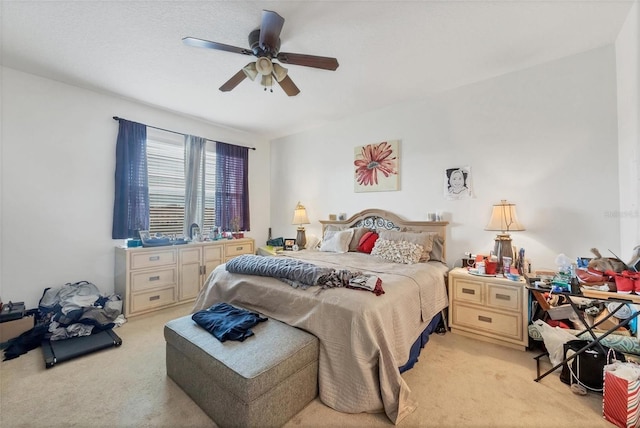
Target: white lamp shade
<point>267,80</point>
<point>279,72</point>
<point>504,218</point>
<point>264,66</point>
<point>300,215</point>
<point>250,70</point>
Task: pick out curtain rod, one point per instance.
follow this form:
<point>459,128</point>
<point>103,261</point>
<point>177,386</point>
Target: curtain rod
<point>179,133</point>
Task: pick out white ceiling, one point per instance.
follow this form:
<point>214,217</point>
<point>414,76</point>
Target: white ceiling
<point>389,51</point>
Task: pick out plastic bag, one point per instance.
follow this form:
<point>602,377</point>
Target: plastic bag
<point>626,370</point>
<point>554,338</point>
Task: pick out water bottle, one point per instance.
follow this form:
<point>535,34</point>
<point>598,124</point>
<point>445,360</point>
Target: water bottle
<point>480,266</point>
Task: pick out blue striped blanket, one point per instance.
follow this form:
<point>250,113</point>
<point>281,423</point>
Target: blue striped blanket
<point>301,274</point>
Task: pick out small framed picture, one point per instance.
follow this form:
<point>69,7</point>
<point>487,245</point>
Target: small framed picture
<point>144,235</point>
<point>288,244</point>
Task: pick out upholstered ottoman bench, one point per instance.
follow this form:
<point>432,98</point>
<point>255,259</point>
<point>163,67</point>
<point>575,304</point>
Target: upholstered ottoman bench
<point>263,381</point>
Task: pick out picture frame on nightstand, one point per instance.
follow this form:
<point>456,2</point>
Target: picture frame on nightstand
<point>289,244</point>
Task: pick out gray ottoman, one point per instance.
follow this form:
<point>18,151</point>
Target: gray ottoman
<point>263,381</point>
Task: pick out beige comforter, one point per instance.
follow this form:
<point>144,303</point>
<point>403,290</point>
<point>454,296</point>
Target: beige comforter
<point>364,338</point>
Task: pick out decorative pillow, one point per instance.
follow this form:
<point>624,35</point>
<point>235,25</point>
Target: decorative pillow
<point>367,242</point>
<point>423,239</point>
<point>336,242</point>
<point>437,251</point>
<point>357,234</point>
<point>398,251</point>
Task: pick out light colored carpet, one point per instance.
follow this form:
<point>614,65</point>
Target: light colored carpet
<point>457,382</point>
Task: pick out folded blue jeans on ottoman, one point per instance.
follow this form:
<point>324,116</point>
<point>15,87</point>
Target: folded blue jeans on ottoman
<point>226,322</point>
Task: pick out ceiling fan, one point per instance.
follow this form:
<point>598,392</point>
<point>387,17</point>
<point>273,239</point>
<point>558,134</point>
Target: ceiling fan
<point>264,44</point>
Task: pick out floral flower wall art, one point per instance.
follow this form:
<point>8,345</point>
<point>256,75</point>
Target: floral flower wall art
<point>376,167</point>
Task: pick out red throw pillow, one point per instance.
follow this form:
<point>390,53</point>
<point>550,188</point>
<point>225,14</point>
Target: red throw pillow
<point>367,242</point>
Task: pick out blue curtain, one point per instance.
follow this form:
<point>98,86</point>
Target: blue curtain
<point>232,187</point>
<point>131,203</point>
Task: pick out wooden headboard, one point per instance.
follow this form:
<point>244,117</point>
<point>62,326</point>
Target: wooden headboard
<point>378,219</point>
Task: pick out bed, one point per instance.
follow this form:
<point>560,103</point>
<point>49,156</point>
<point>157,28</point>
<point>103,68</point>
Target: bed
<point>366,340</point>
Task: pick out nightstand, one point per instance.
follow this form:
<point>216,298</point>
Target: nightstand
<point>489,308</point>
<point>268,250</point>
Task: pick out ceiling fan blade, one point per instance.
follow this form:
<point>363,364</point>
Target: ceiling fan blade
<point>200,43</point>
<point>234,81</point>
<point>322,62</point>
<point>289,87</point>
<point>270,29</point>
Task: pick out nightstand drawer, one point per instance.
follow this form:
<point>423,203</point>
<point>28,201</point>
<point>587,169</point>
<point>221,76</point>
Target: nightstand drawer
<point>232,250</point>
<point>506,325</point>
<point>149,259</point>
<point>468,291</point>
<point>141,281</point>
<point>152,299</point>
<point>504,297</point>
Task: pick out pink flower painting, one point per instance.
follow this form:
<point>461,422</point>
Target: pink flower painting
<point>376,167</point>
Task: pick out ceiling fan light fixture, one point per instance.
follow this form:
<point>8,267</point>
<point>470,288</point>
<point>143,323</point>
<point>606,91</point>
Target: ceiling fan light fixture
<point>267,81</point>
<point>265,46</point>
<point>279,72</point>
<point>250,70</point>
<point>264,66</point>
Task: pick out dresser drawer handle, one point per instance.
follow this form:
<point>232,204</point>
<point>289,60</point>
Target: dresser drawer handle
<point>154,278</point>
<point>468,291</point>
<point>152,298</point>
<point>154,258</point>
<point>503,297</point>
<point>239,248</point>
<point>485,319</point>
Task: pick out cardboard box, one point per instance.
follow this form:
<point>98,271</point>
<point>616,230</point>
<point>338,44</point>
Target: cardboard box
<point>14,328</point>
<point>610,323</point>
<point>561,312</point>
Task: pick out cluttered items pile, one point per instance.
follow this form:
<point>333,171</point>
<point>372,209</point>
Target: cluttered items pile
<point>65,312</point>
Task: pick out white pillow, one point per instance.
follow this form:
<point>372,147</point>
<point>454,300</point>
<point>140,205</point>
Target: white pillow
<point>336,241</point>
<point>312,242</point>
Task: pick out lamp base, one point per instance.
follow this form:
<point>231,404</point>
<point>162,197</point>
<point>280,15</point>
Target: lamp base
<point>301,238</point>
<point>503,249</point>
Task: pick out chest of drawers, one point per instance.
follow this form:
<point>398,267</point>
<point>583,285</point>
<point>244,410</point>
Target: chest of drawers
<point>148,279</point>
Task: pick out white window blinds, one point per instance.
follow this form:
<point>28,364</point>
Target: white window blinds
<point>165,157</point>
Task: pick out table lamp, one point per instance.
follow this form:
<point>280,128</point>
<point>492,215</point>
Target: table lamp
<point>504,220</point>
<point>300,218</point>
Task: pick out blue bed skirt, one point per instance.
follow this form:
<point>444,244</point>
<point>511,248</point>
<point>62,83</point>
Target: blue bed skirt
<point>417,346</point>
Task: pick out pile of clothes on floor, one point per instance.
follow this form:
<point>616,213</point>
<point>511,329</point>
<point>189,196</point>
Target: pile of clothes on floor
<point>72,310</point>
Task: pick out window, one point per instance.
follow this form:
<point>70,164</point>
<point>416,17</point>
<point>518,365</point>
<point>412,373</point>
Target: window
<point>165,159</point>
<point>151,187</point>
